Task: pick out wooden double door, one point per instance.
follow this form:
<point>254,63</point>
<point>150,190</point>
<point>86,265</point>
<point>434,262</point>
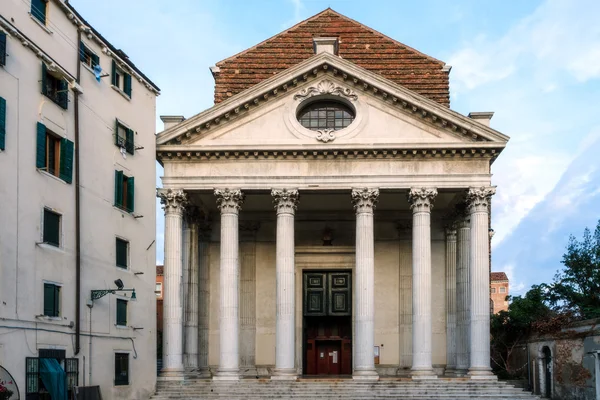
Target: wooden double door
<point>327,322</point>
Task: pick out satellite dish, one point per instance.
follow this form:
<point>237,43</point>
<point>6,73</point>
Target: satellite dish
<point>98,72</point>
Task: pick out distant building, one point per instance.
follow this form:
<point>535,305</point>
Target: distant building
<point>499,291</point>
<point>159,298</point>
<point>77,167</point>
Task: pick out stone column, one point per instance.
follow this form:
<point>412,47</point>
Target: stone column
<point>229,203</point>
<point>405,266</point>
<point>364,201</point>
<point>451,300</point>
<point>285,201</point>
<point>478,200</point>
<point>190,356</point>
<point>173,202</point>
<point>204,236</point>
<point>248,232</point>
<point>463,233</point>
<point>421,203</point>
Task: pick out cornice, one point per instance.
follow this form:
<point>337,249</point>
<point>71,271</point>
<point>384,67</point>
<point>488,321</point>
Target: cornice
<point>357,78</point>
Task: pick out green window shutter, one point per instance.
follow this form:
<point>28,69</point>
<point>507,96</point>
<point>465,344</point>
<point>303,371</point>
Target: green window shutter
<point>121,312</point>
<point>50,300</point>
<point>119,188</point>
<point>114,73</point>
<point>121,253</point>
<point>32,377</point>
<point>2,123</point>
<point>38,10</point>
<point>95,60</point>
<point>51,228</point>
<point>130,194</point>
<point>116,132</point>
<point>63,94</point>
<point>40,157</point>
<point>127,85</point>
<point>66,160</point>
<point>2,48</point>
<point>44,80</point>
<point>56,300</point>
<point>129,141</point>
<point>81,51</point>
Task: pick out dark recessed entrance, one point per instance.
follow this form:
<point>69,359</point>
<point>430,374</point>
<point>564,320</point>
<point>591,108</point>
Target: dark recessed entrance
<point>327,327</point>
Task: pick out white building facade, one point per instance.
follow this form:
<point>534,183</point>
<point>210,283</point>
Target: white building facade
<point>326,220</point>
<point>78,208</point>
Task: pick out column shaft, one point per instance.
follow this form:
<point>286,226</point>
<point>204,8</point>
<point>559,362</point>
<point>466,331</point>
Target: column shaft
<point>190,358</point>
<point>462,296</point>
<point>229,202</point>
<point>203,296</point>
<point>285,204</point>
<point>479,280</point>
<point>173,202</point>
<point>364,285</point>
<point>421,203</point>
<point>450,300</point>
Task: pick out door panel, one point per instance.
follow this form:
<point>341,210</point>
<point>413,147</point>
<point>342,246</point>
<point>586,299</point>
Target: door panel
<point>315,285</point>
<point>340,303</point>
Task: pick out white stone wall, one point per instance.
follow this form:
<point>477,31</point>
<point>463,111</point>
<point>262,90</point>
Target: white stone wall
<point>24,263</point>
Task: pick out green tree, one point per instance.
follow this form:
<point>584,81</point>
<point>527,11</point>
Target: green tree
<point>509,328</point>
<point>576,288</point>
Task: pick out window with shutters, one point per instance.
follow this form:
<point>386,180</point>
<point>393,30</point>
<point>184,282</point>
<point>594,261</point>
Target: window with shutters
<point>87,56</point>
<point>124,137</point>
<point>2,123</point>
<point>122,253</point>
<point>121,312</point>
<point>121,80</point>
<point>51,228</point>
<point>34,386</point>
<point>55,88</point>
<point>2,48</point>
<point>121,369</point>
<point>124,191</point>
<point>51,300</point>
<point>38,10</point>
<point>54,154</point>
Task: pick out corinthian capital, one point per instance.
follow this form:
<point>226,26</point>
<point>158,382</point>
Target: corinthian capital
<point>192,215</point>
<point>451,232</point>
<point>285,200</point>
<point>229,200</point>
<point>421,199</point>
<point>172,200</point>
<point>365,199</point>
<point>478,199</point>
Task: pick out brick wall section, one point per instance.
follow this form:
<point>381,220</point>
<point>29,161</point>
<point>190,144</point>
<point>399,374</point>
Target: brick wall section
<point>359,44</point>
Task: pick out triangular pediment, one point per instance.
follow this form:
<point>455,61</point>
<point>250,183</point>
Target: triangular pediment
<point>387,115</point>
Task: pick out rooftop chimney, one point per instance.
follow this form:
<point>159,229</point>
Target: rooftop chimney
<point>325,45</point>
<point>171,120</point>
<point>483,117</point>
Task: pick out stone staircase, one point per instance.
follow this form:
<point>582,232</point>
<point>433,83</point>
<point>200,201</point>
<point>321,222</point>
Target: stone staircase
<point>341,389</point>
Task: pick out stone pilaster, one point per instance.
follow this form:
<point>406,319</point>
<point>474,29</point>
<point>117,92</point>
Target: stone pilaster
<point>364,201</point>
<point>204,237</point>
<point>229,203</point>
<point>248,232</point>
<point>285,201</point>
<point>463,233</point>
<point>421,203</point>
<point>451,299</point>
<point>478,200</point>
<point>190,356</point>
<point>173,202</point>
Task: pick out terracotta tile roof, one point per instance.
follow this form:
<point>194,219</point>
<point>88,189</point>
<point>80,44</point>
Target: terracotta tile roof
<point>359,44</point>
<point>498,276</point>
<point>159,270</point>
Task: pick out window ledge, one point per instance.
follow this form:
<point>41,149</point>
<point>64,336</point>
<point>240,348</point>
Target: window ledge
<point>43,172</point>
<point>121,326</point>
<point>122,93</point>
<point>124,212</point>
<point>41,24</point>
<point>50,319</point>
<point>47,246</point>
<point>84,65</point>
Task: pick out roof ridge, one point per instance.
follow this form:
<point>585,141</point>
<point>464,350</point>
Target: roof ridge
<point>331,10</point>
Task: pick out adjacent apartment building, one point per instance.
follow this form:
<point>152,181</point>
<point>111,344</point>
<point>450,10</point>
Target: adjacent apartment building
<point>498,292</point>
<point>77,222</point>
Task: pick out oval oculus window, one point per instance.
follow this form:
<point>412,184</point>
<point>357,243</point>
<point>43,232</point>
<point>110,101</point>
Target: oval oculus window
<point>322,115</point>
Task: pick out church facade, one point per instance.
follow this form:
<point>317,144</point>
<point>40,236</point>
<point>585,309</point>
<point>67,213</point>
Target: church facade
<point>329,215</point>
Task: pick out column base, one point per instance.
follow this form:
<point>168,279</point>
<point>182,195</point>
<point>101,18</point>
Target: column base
<point>172,374</point>
<point>204,372</point>
<point>461,372</point>
<point>482,374</point>
<point>232,375</point>
<point>422,374</point>
<point>284,375</point>
<point>450,372</point>
<point>368,375</point>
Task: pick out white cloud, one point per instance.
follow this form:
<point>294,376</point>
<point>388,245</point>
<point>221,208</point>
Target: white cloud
<point>515,287</point>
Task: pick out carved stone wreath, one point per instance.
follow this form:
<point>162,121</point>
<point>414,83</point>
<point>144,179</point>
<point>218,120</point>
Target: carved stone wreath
<point>325,135</point>
<point>326,87</point>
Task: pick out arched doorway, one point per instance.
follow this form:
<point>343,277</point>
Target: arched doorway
<point>545,371</point>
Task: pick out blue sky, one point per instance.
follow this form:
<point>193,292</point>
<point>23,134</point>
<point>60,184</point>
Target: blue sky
<point>536,64</point>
